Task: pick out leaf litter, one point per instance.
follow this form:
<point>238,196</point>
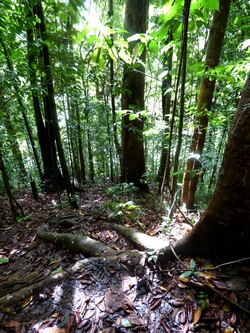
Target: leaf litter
<point>109,296</point>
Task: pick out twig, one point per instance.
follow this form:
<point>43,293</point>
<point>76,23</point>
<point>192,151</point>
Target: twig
<point>184,216</point>
<point>225,264</point>
<point>208,285</point>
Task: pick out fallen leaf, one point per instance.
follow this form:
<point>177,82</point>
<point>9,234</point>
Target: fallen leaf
<point>237,283</point>
<point>26,301</point>
<point>53,329</point>
<point>196,315</point>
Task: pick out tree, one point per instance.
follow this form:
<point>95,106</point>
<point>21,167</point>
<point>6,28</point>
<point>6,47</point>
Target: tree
<point>133,159</point>
<point>204,104</point>
<point>224,229</point>
<point>50,105</point>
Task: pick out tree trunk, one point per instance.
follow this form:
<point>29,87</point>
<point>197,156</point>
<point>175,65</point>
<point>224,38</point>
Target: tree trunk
<point>224,228</point>
<point>14,205</point>
<point>207,85</point>
<point>51,107</point>
<point>133,159</point>
<point>21,105</point>
<point>164,168</point>
<point>51,174</point>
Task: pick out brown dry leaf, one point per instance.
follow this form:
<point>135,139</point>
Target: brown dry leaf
<point>226,307</point>
<point>208,265</point>
<point>12,323</point>
<point>233,297</point>
<point>26,301</point>
<point>237,283</point>
<point>184,279</point>
<point>99,299</point>
<point>206,275</point>
<point>228,330</point>
<point>196,315</point>
<point>162,288</point>
<point>108,330</point>
<point>53,329</point>
<point>220,284</point>
<point>134,319</point>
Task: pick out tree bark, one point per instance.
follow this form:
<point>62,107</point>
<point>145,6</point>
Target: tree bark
<point>224,228</point>
<point>133,159</point>
<point>204,104</point>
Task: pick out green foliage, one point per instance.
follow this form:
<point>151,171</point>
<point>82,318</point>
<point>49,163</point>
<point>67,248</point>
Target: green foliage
<point>165,225</point>
<point>124,211</point>
<point>4,261</point>
<point>122,189</point>
<point>202,300</point>
<point>191,271</point>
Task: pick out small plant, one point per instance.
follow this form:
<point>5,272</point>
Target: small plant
<point>189,272</point>
<point>166,221</point>
<point>202,300</point>
<point>124,211</point>
<point>122,189</point>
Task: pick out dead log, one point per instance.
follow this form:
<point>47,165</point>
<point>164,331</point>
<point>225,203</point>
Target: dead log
<point>139,239</point>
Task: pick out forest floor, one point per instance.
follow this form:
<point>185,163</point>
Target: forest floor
<point>40,293</point>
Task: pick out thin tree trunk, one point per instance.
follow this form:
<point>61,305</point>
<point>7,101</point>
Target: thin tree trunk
<point>183,66</point>
<point>207,85</point>
<point>133,159</point>
<point>15,206</point>
<point>51,107</point>
<point>112,96</point>
<point>164,168</point>
<point>22,106</point>
<point>90,152</point>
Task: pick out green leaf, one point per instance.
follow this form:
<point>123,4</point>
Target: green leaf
<point>93,39</point>
<point>113,54</point>
<point>22,217</point>
<point>125,322</point>
<point>153,47</point>
<point>211,4</point>
<point>125,55</point>
<point>192,264</point>
<point>98,57</point>
<point>59,269</point>
<point>172,9</point>
<point>185,274</point>
<point>132,117</point>
<point>141,48</point>
<point>3,260</point>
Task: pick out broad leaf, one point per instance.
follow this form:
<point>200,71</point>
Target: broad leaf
<point>3,260</point>
<point>211,4</point>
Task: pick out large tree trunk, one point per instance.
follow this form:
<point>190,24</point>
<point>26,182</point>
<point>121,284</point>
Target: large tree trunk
<point>224,228</point>
<point>204,104</point>
<point>133,159</point>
